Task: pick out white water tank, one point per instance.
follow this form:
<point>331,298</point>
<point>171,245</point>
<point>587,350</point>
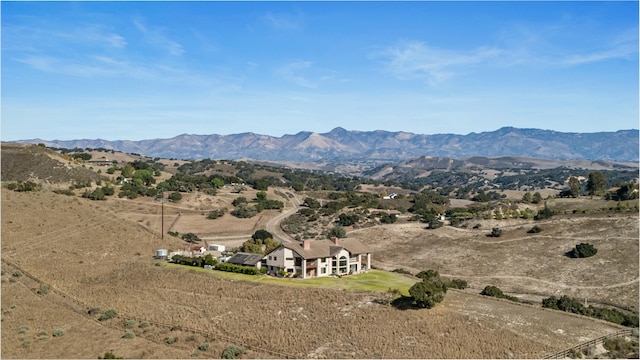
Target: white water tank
<point>162,253</point>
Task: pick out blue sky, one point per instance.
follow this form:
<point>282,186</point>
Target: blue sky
<point>145,70</point>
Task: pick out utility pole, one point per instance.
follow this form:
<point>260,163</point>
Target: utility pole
<point>162,216</point>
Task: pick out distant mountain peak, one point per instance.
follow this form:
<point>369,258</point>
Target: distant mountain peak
<point>379,146</point>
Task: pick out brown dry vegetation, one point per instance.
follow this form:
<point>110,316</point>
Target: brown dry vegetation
<point>100,254</point>
<point>530,265</point>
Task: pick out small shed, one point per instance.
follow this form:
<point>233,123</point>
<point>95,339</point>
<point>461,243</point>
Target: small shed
<point>214,247</point>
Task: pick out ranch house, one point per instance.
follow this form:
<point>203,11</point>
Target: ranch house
<point>315,258</point>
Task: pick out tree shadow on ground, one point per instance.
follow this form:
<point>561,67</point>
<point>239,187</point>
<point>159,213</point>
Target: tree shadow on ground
<point>404,303</point>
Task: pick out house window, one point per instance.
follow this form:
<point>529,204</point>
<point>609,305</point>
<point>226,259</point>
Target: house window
<point>275,258</point>
<point>298,262</point>
<point>323,260</point>
<point>289,270</point>
<point>269,257</point>
<point>289,258</point>
<point>343,265</point>
<point>323,270</point>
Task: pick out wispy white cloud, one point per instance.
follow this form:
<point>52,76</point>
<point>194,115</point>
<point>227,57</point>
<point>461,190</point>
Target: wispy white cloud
<point>91,66</point>
<point>306,74</point>
<point>293,72</point>
<point>416,60</point>
<point>24,38</point>
<point>284,21</point>
<point>157,37</point>
<point>622,46</point>
<point>565,43</point>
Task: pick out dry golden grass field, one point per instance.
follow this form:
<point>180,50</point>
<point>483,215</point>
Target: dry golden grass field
<point>532,266</point>
<point>99,254</point>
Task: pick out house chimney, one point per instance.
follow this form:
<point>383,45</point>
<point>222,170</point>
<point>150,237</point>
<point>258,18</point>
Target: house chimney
<point>335,240</point>
<point>306,244</point>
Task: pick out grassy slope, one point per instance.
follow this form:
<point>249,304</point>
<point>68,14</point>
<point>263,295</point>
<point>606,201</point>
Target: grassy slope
<point>375,280</point>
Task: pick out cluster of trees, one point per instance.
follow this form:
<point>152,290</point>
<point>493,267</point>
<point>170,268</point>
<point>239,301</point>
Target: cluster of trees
<point>596,185</point>
<point>261,242</point>
<point>100,193</point>
<point>348,219</point>
<point>536,198</point>
<point>625,191</point>
<point>243,209</point>
<point>387,218</point>
<point>568,304</point>
<point>133,189</point>
<point>190,183</point>
<point>427,205</point>
<point>492,195</point>
<point>190,238</point>
<point>21,186</point>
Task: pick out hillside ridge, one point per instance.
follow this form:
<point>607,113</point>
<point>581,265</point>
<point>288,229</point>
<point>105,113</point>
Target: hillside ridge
<point>378,146</point>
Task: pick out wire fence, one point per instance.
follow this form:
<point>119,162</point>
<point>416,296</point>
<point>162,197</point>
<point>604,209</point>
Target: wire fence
<point>620,333</point>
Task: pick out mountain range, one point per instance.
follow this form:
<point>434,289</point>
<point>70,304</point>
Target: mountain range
<point>340,145</point>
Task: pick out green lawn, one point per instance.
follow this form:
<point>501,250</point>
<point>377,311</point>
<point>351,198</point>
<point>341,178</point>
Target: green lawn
<point>374,280</point>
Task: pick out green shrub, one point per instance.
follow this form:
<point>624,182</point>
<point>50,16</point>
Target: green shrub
<point>565,303</point>
<point>620,348</point>
<point>175,196</point>
<point>428,274</point>
<point>427,293</point>
<point>496,292</point>
<point>402,271</point>
<point>249,270</point>
<point>492,291</point>
<point>535,229</point>
<point>496,232</point>
<point>17,273</point>
<point>64,192</point>
<point>58,332</point>
<point>109,314</point>
<point>129,324</point>
<point>43,289</point>
<point>232,351</point>
<point>170,340</point>
<point>582,250</point>
<point>574,354</point>
<point>203,347</point>
<point>129,335</point>
<point>110,355</point>
<point>144,324</point>
<point>457,284</point>
<point>216,213</point>
<point>23,329</point>
<point>543,214</point>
